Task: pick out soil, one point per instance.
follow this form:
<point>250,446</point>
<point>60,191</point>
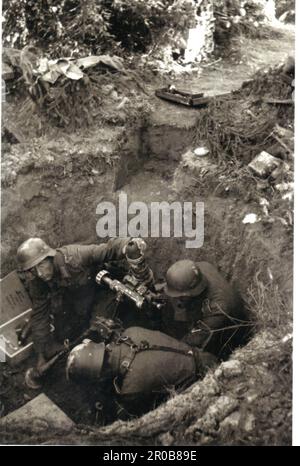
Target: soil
<point>51,185</point>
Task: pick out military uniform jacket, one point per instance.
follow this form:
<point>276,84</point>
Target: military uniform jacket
<point>149,362</point>
<point>74,267</point>
<point>214,319</point>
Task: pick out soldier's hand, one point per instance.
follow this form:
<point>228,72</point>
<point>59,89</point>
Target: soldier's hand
<point>135,244</point>
<point>100,275</point>
<point>141,244</point>
<point>204,361</point>
<point>197,338</point>
<point>53,348</point>
<point>41,360</point>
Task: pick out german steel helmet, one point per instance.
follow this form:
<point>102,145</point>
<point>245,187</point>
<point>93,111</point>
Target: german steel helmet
<point>32,252</point>
<point>85,360</point>
<point>184,279</point>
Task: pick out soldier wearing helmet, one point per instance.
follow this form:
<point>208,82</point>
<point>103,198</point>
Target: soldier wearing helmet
<point>204,309</point>
<point>61,284</point>
<point>139,366</point>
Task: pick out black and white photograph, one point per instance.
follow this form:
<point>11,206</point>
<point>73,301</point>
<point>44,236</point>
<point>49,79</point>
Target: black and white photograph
<point>147,225</point>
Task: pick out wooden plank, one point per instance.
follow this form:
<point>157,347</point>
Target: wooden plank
<point>174,97</point>
<point>15,310</point>
<point>14,297</point>
<point>186,98</point>
<point>183,93</point>
<point>15,319</point>
<point>7,72</point>
<point>279,102</point>
<point>200,101</point>
<point>9,346</point>
<point>37,409</point>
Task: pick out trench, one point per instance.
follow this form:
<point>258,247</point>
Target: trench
<point>58,200</point>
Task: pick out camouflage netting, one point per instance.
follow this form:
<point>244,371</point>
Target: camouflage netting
<point>73,93</point>
<point>241,124</point>
<point>73,102</point>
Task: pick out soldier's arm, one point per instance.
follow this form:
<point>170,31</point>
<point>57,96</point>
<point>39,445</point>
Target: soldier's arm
<point>98,254</point>
<point>214,320</point>
<point>40,319</point>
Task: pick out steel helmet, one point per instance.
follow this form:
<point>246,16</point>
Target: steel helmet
<point>32,252</point>
<point>86,360</point>
<point>184,279</point>
<point>135,248</point>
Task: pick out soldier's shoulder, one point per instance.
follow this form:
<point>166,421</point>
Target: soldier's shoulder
<point>207,266</point>
<point>69,247</point>
<point>137,332</point>
<point>74,251</point>
<point>214,276</point>
<point>153,337</point>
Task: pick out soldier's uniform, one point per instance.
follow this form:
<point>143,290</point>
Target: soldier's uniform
<point>215,320</point>
<point>143,366</point>
<point>71,294</point>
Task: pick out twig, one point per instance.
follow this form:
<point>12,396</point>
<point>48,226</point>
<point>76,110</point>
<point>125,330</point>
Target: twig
<point>211,64</point>
<point>282,143</point>
<point>276,101</point>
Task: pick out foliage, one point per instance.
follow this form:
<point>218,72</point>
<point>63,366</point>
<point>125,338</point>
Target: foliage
<point>83,27</point>
<point>285,10</point>
<point>77,27</point>
<point>138,23</point>
<point>234,17</point>
<point>63,27</point>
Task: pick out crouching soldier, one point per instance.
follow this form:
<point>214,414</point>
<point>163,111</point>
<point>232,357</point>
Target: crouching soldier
<point>61,283</point>
<point>204,309</point>
<point>141,365</point>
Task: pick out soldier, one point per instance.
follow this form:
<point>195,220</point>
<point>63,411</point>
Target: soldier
<point>204,309</point>
<point>61,283</point>
<point>141,366</point>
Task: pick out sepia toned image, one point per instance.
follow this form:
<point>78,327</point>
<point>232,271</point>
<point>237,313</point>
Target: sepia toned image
<point>147,223</point>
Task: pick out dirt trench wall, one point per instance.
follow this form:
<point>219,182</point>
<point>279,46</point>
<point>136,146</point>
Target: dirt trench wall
<point>167,142</point>
<point>245,401</point>
<point>51,188</point>
<point>170,131</point>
